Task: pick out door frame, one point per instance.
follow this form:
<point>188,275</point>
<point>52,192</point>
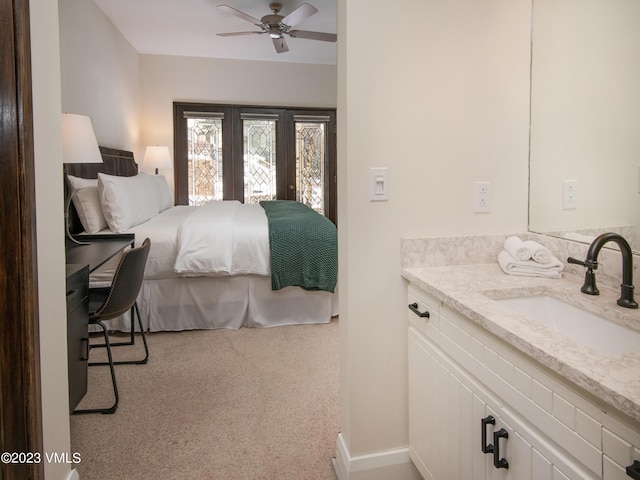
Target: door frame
<point>20,396</point>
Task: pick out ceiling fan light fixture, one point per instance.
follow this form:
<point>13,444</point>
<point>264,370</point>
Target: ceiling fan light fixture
<point>274,32</point>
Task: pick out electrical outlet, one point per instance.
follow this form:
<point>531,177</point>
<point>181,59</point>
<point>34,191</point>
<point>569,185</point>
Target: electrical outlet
<point>482,197</point>
<point>570,193</point>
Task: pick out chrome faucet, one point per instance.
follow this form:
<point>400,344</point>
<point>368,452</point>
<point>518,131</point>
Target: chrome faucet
<point>591,262</point>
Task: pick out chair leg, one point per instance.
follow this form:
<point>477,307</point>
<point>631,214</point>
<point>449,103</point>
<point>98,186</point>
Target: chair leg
<point>112,408</point>
<point>131,342</point>
<point>144,338</point>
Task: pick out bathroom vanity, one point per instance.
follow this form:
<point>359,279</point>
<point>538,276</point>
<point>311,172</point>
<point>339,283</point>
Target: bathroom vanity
<point>496,394</point>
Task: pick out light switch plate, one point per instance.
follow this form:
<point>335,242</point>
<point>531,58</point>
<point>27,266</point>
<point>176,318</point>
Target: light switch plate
<point>378,184</point>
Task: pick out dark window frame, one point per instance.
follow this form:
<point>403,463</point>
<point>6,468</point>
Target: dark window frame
<point>233,178</point>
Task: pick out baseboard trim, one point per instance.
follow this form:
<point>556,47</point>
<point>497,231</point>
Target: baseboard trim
<point>394,464</point>
<point>73,475</point>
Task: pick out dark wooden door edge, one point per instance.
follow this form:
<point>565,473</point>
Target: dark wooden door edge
<point>20,401</point>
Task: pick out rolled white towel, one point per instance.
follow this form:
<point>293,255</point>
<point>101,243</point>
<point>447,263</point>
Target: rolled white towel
<point>517,248</point>
<point>539,253</point>
<point>529,268</point>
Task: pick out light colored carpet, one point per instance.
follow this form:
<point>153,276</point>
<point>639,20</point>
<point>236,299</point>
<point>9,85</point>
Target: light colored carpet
<point>219,404</point>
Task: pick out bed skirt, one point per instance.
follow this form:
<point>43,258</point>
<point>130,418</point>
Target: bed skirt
<point>227,302</point>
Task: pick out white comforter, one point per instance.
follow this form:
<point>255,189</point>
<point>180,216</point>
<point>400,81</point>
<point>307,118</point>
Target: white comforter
<point>220,238</point>
<point>223,238</point>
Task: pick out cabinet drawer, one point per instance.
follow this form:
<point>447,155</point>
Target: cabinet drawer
<point>421,302</point>
<point>77,288</point>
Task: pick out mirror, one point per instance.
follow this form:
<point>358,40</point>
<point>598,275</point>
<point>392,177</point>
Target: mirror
<point>585,119</point>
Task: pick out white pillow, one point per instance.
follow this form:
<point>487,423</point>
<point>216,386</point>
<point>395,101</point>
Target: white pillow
<point>163,192</point>
<point>127,201</point>
<point>85,198</point>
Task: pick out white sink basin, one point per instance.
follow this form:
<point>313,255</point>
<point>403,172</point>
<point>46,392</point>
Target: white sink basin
<point>579,325</point>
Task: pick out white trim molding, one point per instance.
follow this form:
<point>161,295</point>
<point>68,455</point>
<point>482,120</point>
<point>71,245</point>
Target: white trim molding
<point>73,475</point>
<point>394,464</point>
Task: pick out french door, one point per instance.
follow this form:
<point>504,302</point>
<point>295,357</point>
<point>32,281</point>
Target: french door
<point>226,152</point>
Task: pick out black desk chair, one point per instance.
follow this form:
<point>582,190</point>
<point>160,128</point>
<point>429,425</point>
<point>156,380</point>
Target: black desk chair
<point>109,303</point>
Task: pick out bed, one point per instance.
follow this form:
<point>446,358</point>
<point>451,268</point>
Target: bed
<point>215,266</point>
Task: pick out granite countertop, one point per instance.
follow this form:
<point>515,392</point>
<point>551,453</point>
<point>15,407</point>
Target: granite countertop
<point>471,290</point>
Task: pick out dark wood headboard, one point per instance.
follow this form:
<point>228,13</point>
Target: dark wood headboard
<point>115,162</point>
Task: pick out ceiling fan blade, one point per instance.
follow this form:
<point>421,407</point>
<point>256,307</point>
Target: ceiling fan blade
<point>280,44</point>
<point>325,37</point>
<point>238,13</point>
<point>235,34</point>
<point>301,13</point>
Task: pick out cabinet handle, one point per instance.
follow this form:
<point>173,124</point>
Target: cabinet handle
<point>486,421</point>
<point>85,347</point>
<point>633,470</point>
<point>497,461</point>
<point>72,294</point>
<point>414,308</point>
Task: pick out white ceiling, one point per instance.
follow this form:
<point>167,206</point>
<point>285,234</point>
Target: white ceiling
<point>189,28</point>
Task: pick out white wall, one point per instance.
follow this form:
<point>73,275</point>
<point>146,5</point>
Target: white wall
<point>442,101</point>
<point>45,61</point>
<point>167,79</point>
<point>100,74</point>
<point>584,116</point>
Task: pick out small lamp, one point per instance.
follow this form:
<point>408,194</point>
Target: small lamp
<point>157,157</point>
<point>79,145</point>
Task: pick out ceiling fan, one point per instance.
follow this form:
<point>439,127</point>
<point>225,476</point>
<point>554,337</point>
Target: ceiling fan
<point>277,25</point>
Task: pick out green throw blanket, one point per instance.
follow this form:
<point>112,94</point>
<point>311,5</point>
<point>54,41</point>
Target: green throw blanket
<point>304,246</point>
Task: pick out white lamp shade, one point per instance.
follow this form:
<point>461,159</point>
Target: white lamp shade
<point>157,157</point>
<point>79,144</point>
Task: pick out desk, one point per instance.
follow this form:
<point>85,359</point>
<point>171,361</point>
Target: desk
<point>100,248</point>
<point>82,259</point>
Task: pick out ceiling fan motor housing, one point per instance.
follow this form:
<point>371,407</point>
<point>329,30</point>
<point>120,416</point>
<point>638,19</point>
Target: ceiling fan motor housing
<point>271,19</point>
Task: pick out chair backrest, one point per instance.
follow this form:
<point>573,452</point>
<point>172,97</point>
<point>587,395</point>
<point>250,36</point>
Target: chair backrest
<point>126,283</point>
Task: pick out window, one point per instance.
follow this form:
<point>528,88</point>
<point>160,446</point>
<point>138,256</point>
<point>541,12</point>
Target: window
<point>259,147</point>
<point>251,154</point>
<point>311,133</point>
<point>204,159</point>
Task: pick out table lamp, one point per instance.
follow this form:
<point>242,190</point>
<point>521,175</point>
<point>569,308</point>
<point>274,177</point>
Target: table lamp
<point>79,145</point>
<point>157,157</point>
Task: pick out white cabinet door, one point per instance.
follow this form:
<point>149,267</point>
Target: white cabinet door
<point>423,404</point>
<point>444,413</point>
<point>459,432</point>
<point>514,450</point>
